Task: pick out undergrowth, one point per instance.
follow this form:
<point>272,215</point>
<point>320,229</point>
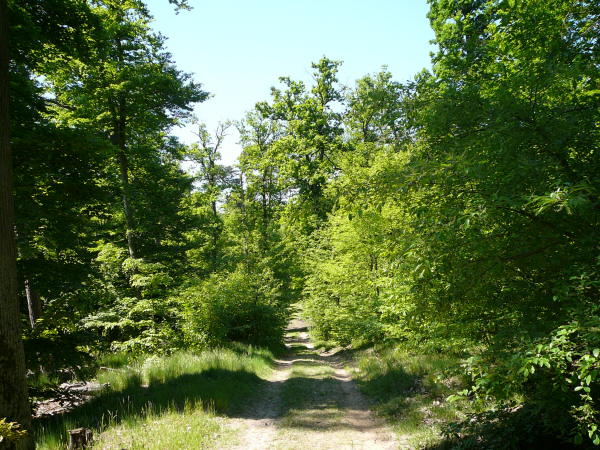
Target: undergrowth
<point>424,398</point>
<point>411,392</point>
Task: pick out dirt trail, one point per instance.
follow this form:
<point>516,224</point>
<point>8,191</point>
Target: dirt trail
<point>310,402</point>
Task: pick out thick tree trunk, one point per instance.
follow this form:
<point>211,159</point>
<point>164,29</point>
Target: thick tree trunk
<point>14,403</point>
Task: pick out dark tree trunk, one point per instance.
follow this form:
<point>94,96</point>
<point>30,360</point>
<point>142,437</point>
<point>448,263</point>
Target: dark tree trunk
<point>14,403</point>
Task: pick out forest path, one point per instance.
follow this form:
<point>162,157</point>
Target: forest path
<point>310,401</point>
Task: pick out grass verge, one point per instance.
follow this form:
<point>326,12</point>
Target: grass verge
<point>410,391</point>
<point>163,401</point>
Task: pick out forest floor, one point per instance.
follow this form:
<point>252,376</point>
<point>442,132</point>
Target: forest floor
<point>310,401</point>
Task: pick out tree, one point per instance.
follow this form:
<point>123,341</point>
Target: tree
<point>58,30</point>
<point>517,138</point>
<point>131,93</point>
<point>376,110</point>
<point>13,388</point>
<point>261,174</point>
<point>311,139</point>
<point>213,180</point>
<point>49,38</point>
<point>481,232</point>
<point>207,155</point>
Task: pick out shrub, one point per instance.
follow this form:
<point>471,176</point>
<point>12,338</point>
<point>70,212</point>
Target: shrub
<point>557,376</point>
<point>237,306</point>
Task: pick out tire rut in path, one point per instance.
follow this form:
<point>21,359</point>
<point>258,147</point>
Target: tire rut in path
<point>310,401</point>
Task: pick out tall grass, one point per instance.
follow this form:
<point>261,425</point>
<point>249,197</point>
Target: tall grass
<point>411,391</point>
<point>163,399</point>
<point>191,428</point>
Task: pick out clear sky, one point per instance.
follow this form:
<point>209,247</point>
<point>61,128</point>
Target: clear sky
<point>238,48</point>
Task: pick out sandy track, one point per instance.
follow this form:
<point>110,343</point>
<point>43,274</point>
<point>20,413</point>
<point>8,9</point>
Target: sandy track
<point>310,402</point>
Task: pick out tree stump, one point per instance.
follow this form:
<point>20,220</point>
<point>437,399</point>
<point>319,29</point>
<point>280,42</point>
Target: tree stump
<point>80,438</point>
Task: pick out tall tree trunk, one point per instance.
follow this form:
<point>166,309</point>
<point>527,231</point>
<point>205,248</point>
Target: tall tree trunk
<point>34,304</point>
<point>216,229</point>
<point>118,140</point>
<point>212,184</point>
<point>125,195</point>
<point>14,403</point>
<point>265,211</point>
<point>242,205</point>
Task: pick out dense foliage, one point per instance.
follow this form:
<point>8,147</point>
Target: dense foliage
<point>457,212</point>
<point>120,249</point>
<point>480,232</point>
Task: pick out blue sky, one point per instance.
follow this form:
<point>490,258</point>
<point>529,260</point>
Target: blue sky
<point>238,48</point>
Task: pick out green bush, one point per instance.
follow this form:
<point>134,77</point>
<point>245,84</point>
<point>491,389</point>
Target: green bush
<point>557,375</point>
<point>135,313</point>
<point>236,306</point>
